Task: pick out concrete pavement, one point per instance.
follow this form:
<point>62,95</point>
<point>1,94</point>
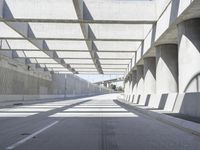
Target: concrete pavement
<point>96,123</point>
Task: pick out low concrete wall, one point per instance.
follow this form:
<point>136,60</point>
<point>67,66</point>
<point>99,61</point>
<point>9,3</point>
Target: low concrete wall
<point>4,98</point>
<point>142,99</point>
<point>185,103</point>
<point>188,103</point>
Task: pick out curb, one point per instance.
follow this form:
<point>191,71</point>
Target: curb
<point>184,125</point>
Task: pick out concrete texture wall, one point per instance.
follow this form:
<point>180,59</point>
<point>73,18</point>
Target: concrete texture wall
<point>189,55</point>
<point>167,68</point>
<point>16,79</point>
<point>174,41</point>
<point>134,85</point>
<point>140,79</point>
<point>150,75</point>
<point>17,82</point>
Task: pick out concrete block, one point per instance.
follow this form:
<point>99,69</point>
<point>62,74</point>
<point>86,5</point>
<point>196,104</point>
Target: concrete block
<point>171,99</point>
<point>190,104</point>
<point>142,100</point>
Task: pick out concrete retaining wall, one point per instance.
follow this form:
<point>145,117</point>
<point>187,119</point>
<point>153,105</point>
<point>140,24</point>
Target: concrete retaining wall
<point>17,82</point>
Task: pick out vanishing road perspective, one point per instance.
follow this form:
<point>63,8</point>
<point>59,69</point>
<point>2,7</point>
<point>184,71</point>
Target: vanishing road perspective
<point>92,123</point>
<point>99,74</point>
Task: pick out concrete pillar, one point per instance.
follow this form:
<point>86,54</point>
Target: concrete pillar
<point>140,79</point>
<point>107,85</point>
<point>189,55</point>
<point>140,84</point>
<point>134,85</point>
<point>130,87</point>
<point>126,89</point>
<point>150,75</point>
<point>167,68</point>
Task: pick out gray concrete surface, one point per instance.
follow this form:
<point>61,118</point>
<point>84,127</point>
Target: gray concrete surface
<point>19,83</point>
<point>189,58</point>
<point>174,41</point>
<point>167,68</point>
<point>140,79</point>
<point>98,123</point>
<point>134,85</point>
<point>149,75</point>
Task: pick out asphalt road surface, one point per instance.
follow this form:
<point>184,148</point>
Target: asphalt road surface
<point>92,123</point>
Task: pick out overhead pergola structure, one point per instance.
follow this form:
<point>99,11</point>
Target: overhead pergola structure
<point>76,36</point>
<point>110,81</point>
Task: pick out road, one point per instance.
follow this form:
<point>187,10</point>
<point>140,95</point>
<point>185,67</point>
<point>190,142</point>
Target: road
<point>92,123</point>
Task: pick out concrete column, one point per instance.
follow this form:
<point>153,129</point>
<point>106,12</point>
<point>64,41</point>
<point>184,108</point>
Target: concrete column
<point>130,87</point>
<point>167,68</point>
<point>134,85</point>
<point>140,84</point>
<point>150,75</point>
<point>140,79</point>
<point>189,55</point>
<point>126,89</point>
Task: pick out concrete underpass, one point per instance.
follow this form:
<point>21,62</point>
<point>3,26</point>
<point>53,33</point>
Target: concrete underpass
<point>99,74</point>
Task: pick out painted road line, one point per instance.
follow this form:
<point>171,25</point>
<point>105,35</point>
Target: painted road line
<point>68,115</point>
<point>31,136</point>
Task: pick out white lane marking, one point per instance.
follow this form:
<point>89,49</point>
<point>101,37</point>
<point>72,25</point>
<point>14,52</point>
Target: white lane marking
<point>31,136</point>
<point>94,115</point>
<point>40,106</point>
<point>87,106</point>
<point>4,114</point>
<point>25,109</point>
<point>96,109</point>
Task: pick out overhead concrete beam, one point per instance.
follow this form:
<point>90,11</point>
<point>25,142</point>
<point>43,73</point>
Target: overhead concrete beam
<point>55,58</point>
<point>87,32</point>
<point>25,20</point>
<point>44,50</point>
<point>73,39</point>
<point>21,28</point>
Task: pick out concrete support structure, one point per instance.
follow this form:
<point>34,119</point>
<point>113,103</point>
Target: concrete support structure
<point>130,87</point>
<point>189,55</point>
<point>150,75</point>
<point>140,83</point>
<point>140,79</point>
<point>172,82</point>
<point>134,85</point>
<point>189,68</point>
<point>167,68</point>
<point>126,83</point>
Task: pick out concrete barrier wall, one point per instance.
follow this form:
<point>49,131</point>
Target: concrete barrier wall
<point>17,82</point>
<point>188,103</point>
<point>183,103</point>
<point>4,98</point>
